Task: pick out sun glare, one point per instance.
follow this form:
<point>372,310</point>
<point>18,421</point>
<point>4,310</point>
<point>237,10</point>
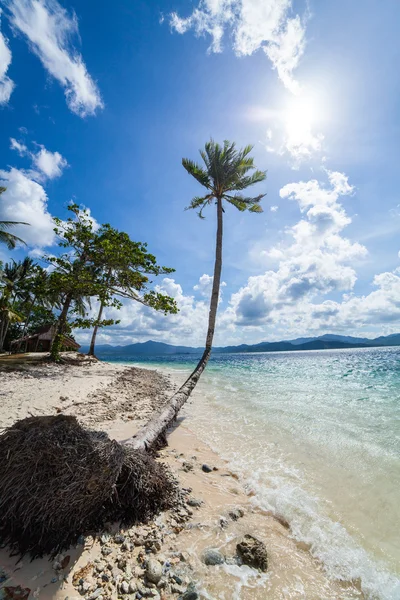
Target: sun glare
<point>301,119</point>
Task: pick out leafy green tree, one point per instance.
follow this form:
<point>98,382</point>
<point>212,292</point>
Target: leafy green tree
<point>14,278</point>
<point>226,173</point>
<point>125,267</point>
<point>39,300</point>
<point>6,237</point>
<point>102,263</point>
<point>75,277</point>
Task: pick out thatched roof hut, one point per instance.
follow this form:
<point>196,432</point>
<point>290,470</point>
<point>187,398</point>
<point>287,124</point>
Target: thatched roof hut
<point>41,341</point>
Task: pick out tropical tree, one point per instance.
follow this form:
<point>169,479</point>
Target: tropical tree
<point>125,267</point>
<point>14,278</point>
<point>6,237</point>
<point>99,262</point>
<point>74,276</point>
<point>226,174</point>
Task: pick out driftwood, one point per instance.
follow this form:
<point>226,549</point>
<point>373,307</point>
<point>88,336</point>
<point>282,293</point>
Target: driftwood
<point>153,435</point>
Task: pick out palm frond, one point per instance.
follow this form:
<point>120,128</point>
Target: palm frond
<point>242,183</point>
<point>202,202</point>
<point>9,239</point>
<point>243,203</point>
<point>8,224</point>
<point>256,208</point>
<point>196,171</point>
<point>237,203</point>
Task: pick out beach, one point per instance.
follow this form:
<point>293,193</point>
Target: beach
<point>217,510</point>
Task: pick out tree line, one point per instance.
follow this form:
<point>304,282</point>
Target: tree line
<point>105,264</point>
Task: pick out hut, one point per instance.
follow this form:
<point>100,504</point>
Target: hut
<point>41,341</point>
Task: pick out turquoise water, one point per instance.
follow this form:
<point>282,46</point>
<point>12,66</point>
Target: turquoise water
<point>316,436</point>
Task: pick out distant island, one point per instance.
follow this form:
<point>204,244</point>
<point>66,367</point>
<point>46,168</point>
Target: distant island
<point>323,342</point>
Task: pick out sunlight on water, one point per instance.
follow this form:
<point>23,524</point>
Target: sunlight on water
<point>316,436</point>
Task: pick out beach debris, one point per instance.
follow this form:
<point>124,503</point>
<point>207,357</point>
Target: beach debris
<point>153,570</point>
<point>252,552</point>
<point>60,480</point>
<point>206,469</point>
<point>236,514</point>
<point>187,466</point>
<point>195,502</point>
<point>212,557</point>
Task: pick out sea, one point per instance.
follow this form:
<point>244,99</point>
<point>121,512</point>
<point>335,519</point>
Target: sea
<point>315,436</point>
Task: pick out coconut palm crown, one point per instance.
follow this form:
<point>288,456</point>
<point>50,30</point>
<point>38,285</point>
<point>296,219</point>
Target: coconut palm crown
<point>225,176</point>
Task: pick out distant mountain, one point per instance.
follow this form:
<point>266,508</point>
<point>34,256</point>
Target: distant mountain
<point>388,340</point>
<point>331,337</point>
<point>323,342</point>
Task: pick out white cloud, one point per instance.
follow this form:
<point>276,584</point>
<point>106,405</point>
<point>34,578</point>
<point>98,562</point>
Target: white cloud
<point>50,31</point>
<point>139,323</point>
<point>6,84</point>
<point>204,287</point>
<point>49,164</point>
<point>273,208</point>
<point>317,261</point>
<point>18,146</point>
<point>253,25</point>
<point>26,200</point>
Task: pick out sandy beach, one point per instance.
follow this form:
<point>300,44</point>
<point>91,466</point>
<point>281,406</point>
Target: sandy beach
<point>215,514</point>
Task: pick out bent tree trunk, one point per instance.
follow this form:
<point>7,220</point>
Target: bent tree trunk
<point>96,327</point>
<point>153,435</point>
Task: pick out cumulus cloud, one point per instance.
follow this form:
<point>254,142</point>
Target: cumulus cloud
<point>51,164</point>
<point>273,208</point>
<point>48,165</point>
<point>25,200</point>
<point>50,31</point>
<point>317,261</point>
<point>6,84</point>
<point>139,323</point>
<point>204,287</point>
<point>253,25</point>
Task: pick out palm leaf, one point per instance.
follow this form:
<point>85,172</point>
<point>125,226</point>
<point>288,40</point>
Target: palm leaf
<point>196,171</point>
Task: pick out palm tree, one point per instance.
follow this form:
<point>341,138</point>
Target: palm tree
<point>14,279</point>
<point>6,237</point>
<point>225,175</point>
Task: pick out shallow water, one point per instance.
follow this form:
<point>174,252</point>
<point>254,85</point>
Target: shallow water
<point>316,436</point>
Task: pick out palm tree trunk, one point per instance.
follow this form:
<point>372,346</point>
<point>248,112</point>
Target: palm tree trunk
<point>153,435</point>
<point>3,331</point>
<point>61,326</point>
<point>28,318</point>
<point>96,327</point>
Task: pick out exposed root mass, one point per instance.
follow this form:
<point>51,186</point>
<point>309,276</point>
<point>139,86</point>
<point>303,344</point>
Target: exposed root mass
<point>60,480</point>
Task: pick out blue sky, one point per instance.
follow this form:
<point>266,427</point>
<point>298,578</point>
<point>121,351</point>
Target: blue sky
<point>99,104</point>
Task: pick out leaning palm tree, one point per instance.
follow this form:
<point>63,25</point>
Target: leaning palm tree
<point>226,173</point>
<point>6,237</point>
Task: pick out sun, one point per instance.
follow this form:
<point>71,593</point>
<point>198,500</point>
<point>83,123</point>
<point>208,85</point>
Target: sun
<point>301,118</point>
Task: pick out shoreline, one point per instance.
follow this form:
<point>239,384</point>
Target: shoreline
<point>119,399</point>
